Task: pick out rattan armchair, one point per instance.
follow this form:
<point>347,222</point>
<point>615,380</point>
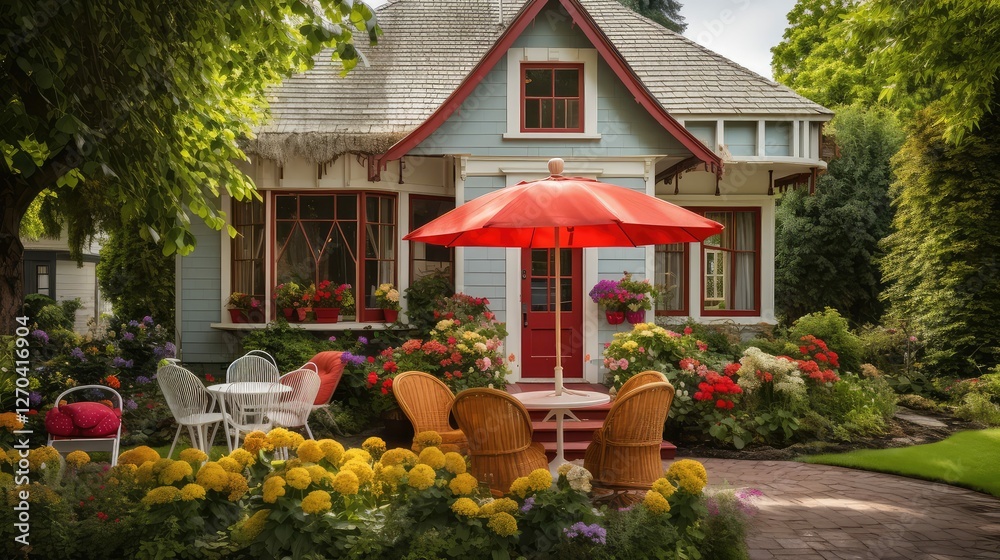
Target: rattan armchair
<point>499,432</point>
<point>427,401</point>
<point>625,452</point>
<point>640,379</point>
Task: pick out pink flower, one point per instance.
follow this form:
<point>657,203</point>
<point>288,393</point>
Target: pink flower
<point>623,363</point>
<point>702,347</point>
<point>688,330</point>
<point>913,339</point>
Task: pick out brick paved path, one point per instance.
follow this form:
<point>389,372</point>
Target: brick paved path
<point>833,513</point>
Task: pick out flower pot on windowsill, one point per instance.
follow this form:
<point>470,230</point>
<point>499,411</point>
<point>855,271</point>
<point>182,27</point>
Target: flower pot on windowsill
<point>238,316</point>
<point>327,314</point>
<point>615,317</point>
<point>391,315</point>
<point>636,317</point>
<point>302,313</point>
<point>291,314</point>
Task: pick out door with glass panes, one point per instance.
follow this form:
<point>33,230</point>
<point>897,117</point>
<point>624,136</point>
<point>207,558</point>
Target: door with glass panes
<point>538,313</point>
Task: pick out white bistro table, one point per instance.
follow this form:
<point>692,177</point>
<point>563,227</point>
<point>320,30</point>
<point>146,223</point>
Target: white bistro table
<point>560,406</point>
<point>220,390</point>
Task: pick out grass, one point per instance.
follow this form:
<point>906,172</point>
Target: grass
<point>967,459</point>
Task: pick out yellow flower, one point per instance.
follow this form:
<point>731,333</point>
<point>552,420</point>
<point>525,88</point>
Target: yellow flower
<point>359,454</point>
<point>252,527</point>
<point>274,488</point>
<point>257,441</point>
<point>317,473</point>
<point>432,457</point>
<point>332,449</point>
<point>421,477</point>
<point>540,479</point>
<point>175,471</point>
<point>391,475</point>
<point>144,474</point>
<point>317,501</point>
<point>193,455</point>
<point>192,492</point>
<point>498,505</point>
<point>664,487</point>
<point>520,486</point>
<point>426,439</point>
<point>503,524</point>
<point>120,471</point>
<point>630,345</point>
<point>212,476</point>
<point>374,445</point>
<point>230,465</point>
<point>40,456</point>
<point>237,487</point>
<point>346,483</point>
<point>138,456</point>
<point>362,470</point>
<point>243,457</point>
<point>10,422</point>
<point>689,474</point>
<point>656,503</point>
<point>564,469</point>
<point>78,458</point>
<point>6,479</point>
<point>399,456</point>
<point>280,437</point>
<point>298,478</point>
<point>161,495</point>
<point>454,463</point>
<point>310,451</point>
<point>463,484</point>
<point>466,507</point>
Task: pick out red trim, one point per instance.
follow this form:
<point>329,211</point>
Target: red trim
<point>757,263</point>
<point>553,66</point>
<point>603,45</point>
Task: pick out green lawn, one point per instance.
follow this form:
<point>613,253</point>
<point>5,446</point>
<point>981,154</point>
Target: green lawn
<point>969,459</point>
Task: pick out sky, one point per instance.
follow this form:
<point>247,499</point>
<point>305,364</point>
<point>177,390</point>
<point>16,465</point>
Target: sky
<point>741,30</point>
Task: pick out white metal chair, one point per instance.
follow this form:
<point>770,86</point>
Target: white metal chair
<point>255,365</point>
<point>294,407</point>
<point>66,444</point>
<point>250,410</point>
<point>191,404</point>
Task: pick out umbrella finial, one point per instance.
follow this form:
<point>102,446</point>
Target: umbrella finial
<point>556,166</point>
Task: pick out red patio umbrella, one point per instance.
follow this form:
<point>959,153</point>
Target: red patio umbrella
<point>565,213</point>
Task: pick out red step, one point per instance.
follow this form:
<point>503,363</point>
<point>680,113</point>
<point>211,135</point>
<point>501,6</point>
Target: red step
<point>572,431</point>
<point>576,449</point>
<point>597,413</point>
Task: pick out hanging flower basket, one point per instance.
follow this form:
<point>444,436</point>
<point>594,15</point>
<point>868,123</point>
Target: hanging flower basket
<point>636,317</point>
<point>615,317</point>
<point>327,314</point>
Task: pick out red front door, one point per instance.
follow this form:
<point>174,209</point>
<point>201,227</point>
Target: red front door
<point>538,318</point>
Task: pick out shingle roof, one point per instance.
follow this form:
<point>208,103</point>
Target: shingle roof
<point>430,46</point>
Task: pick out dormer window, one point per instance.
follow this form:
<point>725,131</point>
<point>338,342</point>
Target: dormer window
<point>552,98</point>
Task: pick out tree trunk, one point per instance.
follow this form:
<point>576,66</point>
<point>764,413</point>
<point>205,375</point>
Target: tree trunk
<point>15,197</point>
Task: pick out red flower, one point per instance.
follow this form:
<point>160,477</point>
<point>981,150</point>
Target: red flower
<point>803,350</point>
<point>371,359</point>
<point>820,357</point>
<point>720,404</point>
<point>390,367</point>
<point>688,330</point>
<point>372,379</point>
<point>458,374</point>
<point>731,369</point>
<point>386,386</point>
<point>210,378</point>
<point>702,347</point>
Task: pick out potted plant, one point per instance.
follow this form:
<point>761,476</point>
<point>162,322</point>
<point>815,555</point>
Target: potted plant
<point>240,307</point>
<point>306,302</point>
<point>287,300</point>
<point>639,296</point>
<point>329,300</point>
<point>387,299</point>
<point>611,297</point>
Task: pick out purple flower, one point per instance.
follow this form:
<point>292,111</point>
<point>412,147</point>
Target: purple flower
<point>148,320</point>
<point>77,353</point>
<point>594,532</point>
<point>133,323</point>
<point>332,339</point>
<point>142,380</point>
<point>34,398</point>
<point>528,504</point>
<point>40,335</point>
<point>131,405</point>
<point>118,362</point>
<point>166,351</point>
<point>362,340</point>
<point>352,359</point>
<point>128,336</point>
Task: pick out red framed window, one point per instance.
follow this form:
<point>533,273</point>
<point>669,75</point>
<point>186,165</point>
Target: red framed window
<point>341,237</point>
<point>730,267</point>
<point>427,259</point>
<point>552,97</point>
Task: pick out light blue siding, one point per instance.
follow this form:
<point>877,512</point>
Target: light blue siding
<point>201,301</point>
<point>477,127</point>
<point>485,266</point>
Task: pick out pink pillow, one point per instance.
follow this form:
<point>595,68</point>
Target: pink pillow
<point>91,419</point>
<point>59,424</point>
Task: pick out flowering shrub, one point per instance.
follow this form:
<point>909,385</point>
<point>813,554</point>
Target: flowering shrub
<point>646,347</point>
<point>387,297</point>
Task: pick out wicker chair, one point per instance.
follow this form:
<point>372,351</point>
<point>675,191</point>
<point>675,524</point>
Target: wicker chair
<point>625,452</point>
<point>499,432</point>
<point>640,379</point>
<point>427,401</point>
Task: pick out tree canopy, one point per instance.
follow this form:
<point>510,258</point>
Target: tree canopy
<point>137,108</point>
<point>664,12</point>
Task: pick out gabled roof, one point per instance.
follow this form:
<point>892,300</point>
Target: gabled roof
<point>430,47</point>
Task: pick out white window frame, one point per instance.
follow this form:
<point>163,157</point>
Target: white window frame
<point>517,56</point>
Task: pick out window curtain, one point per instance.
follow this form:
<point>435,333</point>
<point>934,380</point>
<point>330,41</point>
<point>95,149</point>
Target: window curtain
<point>745,265</point>
<point>670,271</point>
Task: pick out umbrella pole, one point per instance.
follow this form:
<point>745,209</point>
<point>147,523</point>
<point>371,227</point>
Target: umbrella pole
<point>558,368</point>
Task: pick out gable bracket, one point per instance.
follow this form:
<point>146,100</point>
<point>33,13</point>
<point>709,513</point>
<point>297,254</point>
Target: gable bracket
<point>669,173</point>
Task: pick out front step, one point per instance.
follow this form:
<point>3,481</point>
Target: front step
<point>574,450</point>
<point>572,431</point>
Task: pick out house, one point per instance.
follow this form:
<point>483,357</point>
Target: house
<point>50,270</point>
<point>462,97</point>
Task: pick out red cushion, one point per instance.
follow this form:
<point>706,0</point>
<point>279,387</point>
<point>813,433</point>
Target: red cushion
<point>59,424</point>
<point>330,369</point>
<point>91,419</point>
